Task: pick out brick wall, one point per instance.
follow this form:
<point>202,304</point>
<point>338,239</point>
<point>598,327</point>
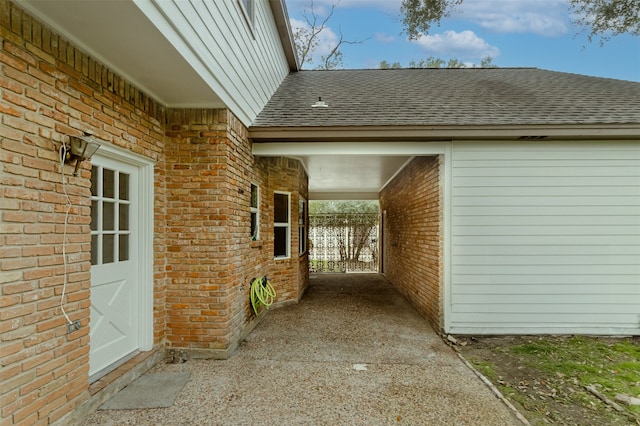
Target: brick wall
<point>211,259</point>
<point>204,258</point>
<point>48,90</point>
<point>412,249</point>
<point>288,276</point>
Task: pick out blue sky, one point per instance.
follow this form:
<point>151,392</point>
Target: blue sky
<point>516,33</point>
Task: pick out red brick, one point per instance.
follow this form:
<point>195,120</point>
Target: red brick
<point>37,360</point>
<point>7,109</point>
<point>11,85</point>
<point>12,61</point>
<point>20,263</point>
<point>19,101</point>
<point>18,216</point>
<point>16,311</point>
<point>6,301</point>
<point>412,199</point>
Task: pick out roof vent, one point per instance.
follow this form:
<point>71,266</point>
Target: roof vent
<point>533,138</point>
<point>319,103</point>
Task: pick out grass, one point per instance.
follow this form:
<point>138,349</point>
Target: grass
<point>611,364</point>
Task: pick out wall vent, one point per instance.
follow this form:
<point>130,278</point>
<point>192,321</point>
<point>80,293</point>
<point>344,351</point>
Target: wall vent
<point>532,138</point>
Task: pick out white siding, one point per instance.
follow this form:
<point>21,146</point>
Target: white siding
<point>545,238</point>
<point>243,64</point>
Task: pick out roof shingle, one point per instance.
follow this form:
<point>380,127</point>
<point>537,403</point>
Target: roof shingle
<point>450,97</point>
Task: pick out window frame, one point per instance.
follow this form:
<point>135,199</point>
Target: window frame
<point>248,8</point>
<point>303,228</point>
<point>286,225</point>
<point>254,211</point>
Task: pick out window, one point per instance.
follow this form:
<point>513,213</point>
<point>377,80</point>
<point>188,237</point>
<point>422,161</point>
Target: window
<point>255,210</point>
<point>281,225</point>
<point>110,218</point>
<point>302,225</point>
<point>248,10</point>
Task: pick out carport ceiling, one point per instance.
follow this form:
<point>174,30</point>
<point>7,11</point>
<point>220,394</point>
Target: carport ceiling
<point>349,170</point>
<point>354,177</point>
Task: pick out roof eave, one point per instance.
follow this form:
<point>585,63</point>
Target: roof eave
<point>279,10</point>
<point>442,133</point>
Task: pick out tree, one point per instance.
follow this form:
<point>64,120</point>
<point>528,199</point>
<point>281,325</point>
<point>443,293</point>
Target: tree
<point>385,65</point>
<point>350,222</point>
<point>307,40</point>
<point>606,18</point>
<point>433,62</point>
<point>418,15</point>
<point>323,207</point>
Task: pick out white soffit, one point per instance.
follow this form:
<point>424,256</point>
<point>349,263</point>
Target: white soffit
<point>343,171</point>
<point>119,35</point>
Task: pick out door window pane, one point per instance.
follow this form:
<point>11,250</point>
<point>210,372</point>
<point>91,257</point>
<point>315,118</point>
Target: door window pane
<point>108,216</point>
<point>123,218</point>
<point>123,247</point>
<point>94,215</point>
<point>94,181</point>
<point>108,247</point>
<point>123,187</point>
<point>94,249</point>
<point>108,183</point>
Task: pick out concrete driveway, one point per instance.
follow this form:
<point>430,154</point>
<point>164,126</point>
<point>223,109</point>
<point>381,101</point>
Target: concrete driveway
<point>352,352</point>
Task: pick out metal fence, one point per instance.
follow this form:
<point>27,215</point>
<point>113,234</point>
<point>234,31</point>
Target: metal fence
<point>344,242</point>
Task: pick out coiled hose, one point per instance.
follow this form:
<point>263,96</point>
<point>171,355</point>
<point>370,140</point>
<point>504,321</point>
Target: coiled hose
<point>262,293</point>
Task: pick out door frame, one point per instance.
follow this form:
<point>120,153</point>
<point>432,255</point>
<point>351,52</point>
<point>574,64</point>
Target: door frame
<point>144,194</point>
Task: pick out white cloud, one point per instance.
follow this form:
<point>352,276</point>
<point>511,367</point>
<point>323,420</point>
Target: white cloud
<point>465,44</point>
<point>542,17</point>
<point>391,5</point>
<point>384,38</point>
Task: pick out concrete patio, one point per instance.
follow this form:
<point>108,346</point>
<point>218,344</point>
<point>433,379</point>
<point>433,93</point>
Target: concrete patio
<point>353,352</point>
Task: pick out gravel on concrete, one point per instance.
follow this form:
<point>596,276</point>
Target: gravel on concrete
<point>352,352</point>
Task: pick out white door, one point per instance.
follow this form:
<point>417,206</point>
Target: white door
<point>115,277</point>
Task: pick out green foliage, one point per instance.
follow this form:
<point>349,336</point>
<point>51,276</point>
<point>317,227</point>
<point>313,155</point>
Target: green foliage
<point>385,65</point>
<point>487,62</point>
<point>365,206</point>
<point>605,18</point>
<point>433,62</point>
<point>418,15</point>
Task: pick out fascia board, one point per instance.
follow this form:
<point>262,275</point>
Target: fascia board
<point>441,133</point>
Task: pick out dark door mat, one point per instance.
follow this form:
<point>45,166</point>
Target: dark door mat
<point>157,390</point>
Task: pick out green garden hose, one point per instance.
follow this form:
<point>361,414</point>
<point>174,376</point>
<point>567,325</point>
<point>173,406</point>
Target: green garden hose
<point>262,293</point>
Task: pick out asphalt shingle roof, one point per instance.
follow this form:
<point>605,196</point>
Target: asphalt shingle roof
<point>456,97</point>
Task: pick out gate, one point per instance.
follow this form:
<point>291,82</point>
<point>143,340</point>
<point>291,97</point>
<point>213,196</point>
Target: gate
<point>343,242</point>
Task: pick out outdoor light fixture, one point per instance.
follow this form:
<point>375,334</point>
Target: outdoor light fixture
<point>80,148</point>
